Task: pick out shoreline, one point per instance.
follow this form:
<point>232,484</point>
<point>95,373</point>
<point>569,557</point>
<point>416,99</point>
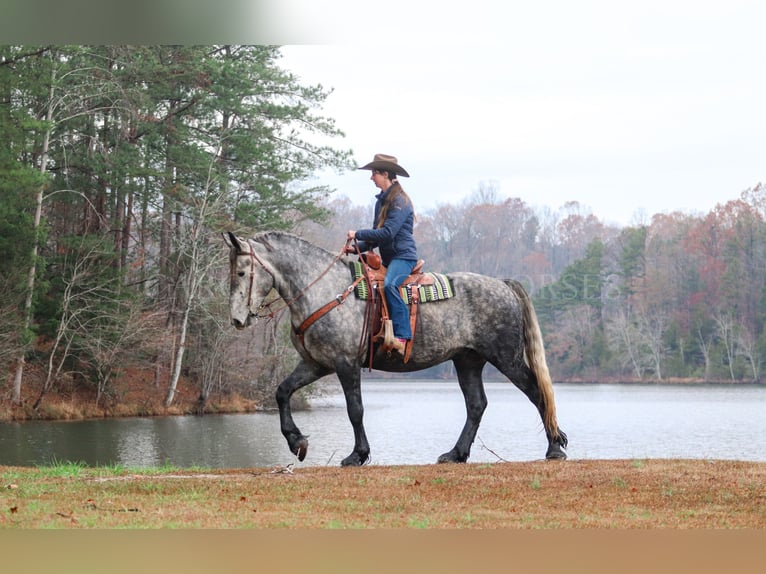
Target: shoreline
<point>76,407</point>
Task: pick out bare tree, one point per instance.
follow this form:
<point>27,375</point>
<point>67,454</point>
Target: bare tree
<point>705,346</point>
<point>215,349</point>
<point>89,314</point>
<point>747,348</point>
<point>727,336</point>
<point>625,339</point>
<point>200,255</point>
<point>651,327</point>
<point>111,338</point>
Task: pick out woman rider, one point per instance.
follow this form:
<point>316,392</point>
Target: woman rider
<point>392,235</point>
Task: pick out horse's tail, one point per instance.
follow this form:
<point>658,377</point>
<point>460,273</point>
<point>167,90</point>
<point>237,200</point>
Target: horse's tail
<point>535,353</point>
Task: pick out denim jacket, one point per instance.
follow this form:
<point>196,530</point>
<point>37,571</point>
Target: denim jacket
<point>395,239</point>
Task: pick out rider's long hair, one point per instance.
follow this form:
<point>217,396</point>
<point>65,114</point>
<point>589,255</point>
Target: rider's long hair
<point>395,191</point>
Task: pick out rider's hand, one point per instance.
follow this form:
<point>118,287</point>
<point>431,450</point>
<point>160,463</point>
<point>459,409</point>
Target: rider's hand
<point>351,235</point>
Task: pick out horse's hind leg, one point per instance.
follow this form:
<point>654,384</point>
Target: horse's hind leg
<point>350,377</point>
<point>468,366</point>
<point>304,374</point>
<point>526,382</point>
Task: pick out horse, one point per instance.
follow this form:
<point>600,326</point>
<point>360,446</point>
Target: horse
<point>488,320</point>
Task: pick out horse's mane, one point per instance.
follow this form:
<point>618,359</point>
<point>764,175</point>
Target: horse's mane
<point>268,237</point>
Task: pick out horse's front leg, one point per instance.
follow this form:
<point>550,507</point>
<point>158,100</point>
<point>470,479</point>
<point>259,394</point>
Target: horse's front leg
<point>304,374</point>
<point>350,376</point>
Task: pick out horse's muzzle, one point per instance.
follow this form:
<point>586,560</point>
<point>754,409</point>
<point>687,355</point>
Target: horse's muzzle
<point>239,325</point>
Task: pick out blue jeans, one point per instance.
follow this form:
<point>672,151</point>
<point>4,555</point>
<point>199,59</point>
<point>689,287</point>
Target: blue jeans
<point>396,273</point>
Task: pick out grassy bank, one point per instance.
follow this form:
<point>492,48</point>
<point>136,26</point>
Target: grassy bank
<point>633,494</point>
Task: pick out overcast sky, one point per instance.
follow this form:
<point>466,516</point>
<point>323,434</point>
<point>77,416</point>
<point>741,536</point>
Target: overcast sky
<point>629,108</point>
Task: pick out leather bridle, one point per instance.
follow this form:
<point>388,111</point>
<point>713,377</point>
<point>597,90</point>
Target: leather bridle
<point>311,319</point>
<point>251,283</point>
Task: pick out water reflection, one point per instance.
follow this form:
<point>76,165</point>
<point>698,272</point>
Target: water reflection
<point>413,423</point>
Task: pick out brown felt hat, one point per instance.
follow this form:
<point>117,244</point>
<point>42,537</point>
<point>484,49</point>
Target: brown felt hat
<point>385,162</point>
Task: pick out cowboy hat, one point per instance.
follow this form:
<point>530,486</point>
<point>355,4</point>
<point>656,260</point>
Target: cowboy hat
<point>385,162</point>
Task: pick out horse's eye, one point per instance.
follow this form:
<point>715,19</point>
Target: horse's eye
<point>241,273</point>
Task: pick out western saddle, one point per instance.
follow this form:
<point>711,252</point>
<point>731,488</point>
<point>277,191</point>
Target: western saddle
<point>378,325</point>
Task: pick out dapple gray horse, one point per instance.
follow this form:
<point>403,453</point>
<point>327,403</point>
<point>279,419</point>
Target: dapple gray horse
<point>487,321</point>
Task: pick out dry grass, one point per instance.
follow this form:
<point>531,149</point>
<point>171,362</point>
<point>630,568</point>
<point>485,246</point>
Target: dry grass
<point>670,494</point>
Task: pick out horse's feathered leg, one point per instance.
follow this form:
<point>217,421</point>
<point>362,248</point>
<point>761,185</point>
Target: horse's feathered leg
<point>350,377</point>
<point>304,374</point>
<point>468,366</point>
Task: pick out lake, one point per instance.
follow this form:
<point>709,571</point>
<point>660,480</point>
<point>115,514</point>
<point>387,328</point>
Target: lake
<point>414,422</point>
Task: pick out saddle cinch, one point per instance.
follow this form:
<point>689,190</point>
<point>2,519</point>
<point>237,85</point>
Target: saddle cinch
<point>378,323</point>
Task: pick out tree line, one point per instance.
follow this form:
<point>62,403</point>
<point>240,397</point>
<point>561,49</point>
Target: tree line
<point>119,168</point>
<point>121,165</point>
<point>678,296</point>
<point>682,296</point>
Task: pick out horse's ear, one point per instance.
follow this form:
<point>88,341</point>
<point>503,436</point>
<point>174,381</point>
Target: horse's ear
<point>232,241</point>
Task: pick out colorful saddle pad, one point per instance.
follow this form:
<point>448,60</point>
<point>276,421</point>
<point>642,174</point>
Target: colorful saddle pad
<point>440,289</point>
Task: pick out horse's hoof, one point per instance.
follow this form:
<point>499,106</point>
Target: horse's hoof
<point>301,448</point>
<point>450,457</point>
<point>555,453</point>
<point>354,459</point>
